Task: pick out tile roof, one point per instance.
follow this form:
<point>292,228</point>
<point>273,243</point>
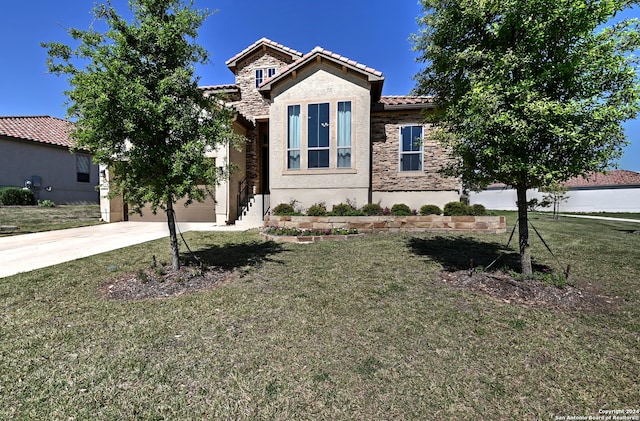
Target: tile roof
<point>611,178</point>
<point>406,100</point>
<point>374,76</point>
<point>229,87</point>
<point>42,129</point>
<point>346,60</point>
<point>262,41</point>
<point>329,54</point>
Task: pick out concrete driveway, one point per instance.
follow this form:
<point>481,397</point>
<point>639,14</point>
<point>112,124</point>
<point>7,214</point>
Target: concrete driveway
<point>22,253</point>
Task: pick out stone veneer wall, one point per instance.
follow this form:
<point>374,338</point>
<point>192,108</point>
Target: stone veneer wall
<point>252,104</point>
<point>385,140</point>
<point>480,224</point>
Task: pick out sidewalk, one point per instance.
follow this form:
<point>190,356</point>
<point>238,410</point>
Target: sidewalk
<point>603,218</point>
<point>23,253</point>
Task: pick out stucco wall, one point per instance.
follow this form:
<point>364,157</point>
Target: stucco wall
<point>20,160</point>
<point>583,200</point>
<point>320,83</point>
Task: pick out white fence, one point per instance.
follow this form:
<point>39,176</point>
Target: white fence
<point>589,199</point>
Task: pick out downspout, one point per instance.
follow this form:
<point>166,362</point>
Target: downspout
<point>370,192</point>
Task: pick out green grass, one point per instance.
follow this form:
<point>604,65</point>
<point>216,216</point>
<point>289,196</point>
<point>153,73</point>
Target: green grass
<point>362,329</point>
<point>623,215</point>
<point>36,219</point>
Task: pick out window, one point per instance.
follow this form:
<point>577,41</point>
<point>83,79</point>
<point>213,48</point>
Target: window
<point>318,136</point>
<point>83,166</point>
<point>264,74</point>
<point>411,148</point>
<point>344,134</point>
<point>293,137</point>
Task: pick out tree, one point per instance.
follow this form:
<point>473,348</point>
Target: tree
<point>556,193</point>
<point>530,92</point>
<point>138,107</point>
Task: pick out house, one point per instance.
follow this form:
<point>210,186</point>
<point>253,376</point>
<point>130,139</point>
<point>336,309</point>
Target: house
<point>36,154</point>
<point>613,191</point>
<point>319,130</point>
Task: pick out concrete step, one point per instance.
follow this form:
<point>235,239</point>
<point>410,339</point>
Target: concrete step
<point>251,216</point>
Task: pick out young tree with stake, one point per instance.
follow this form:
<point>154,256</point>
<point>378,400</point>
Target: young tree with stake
<point>137,106</point>
<point>530,92</point>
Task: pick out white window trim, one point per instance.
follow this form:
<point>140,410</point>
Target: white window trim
<point>265,74</point>
<point>333,137</point>
<point>401,152</point>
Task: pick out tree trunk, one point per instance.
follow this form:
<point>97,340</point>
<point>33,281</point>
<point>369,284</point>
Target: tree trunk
<point>173,237</point>
<point>523,232</point>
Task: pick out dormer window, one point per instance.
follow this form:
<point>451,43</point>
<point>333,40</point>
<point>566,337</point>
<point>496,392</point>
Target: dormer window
<point>264,74</point>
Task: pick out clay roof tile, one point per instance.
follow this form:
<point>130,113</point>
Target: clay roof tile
<point>42,129</point>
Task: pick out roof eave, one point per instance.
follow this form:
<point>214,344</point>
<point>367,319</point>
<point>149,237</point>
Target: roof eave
<point>376,80</point>
<point>401,107</point>
<point>261,44</point>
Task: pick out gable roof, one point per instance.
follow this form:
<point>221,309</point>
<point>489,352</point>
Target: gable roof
<point>318,53</point>
<point>262,43</point>
<point>41,129</point>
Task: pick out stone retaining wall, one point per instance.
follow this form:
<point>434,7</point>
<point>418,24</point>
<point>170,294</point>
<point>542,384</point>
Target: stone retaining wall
<point>364,224</point>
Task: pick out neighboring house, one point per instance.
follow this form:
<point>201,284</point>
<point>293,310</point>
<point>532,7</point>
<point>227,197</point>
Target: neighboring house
<point>35,153</point>
<point>614,191</point>
<point>319,130</point>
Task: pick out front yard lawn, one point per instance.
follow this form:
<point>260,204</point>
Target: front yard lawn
<point>36,219</point>
<point>365,329</point>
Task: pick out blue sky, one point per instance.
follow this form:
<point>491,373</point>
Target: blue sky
<point>372,32</point>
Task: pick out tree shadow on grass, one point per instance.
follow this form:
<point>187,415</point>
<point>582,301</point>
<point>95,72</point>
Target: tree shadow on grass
<point>460,253</point>
<point>230,256</point>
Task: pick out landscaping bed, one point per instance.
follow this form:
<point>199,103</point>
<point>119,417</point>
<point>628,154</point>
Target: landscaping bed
<point>390,223</point>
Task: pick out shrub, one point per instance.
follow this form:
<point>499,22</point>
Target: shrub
<point>46,204</point>
<point>345,209</point>
<point>284,209</point>
<point>400,209</point>
<point>341,209</point>
<point>456,209</point>
<point>17,196</point>
<point>478,210</point>
<point>372,209</point>
<point>355,212</point>
<point>430,210</point>
<point>319,209</point>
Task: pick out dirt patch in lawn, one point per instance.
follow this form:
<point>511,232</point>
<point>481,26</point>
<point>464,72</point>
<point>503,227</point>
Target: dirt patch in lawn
<point>163,282</point>
<point>533,293</point>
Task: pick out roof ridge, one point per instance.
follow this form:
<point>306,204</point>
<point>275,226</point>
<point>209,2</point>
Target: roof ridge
<point>32,116</point>
<point>320,50</point>
<point>267,41</point>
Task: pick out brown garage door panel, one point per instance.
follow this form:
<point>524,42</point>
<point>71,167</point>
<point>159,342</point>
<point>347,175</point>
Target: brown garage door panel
<point>195,212</point>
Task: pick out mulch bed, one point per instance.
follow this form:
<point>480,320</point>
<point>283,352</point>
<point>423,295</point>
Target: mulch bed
<point>531,293</point>
<point>163,282</point>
